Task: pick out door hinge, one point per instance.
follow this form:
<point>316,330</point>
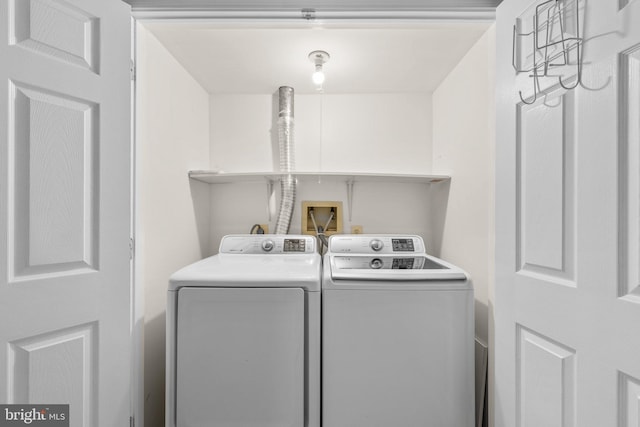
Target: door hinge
<point>131,247</point>
<point>132,71</point>
<point>308,14</point>
<point>132,422</point>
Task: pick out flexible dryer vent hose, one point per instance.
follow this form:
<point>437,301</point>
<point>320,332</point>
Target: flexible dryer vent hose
<point>287,158</point>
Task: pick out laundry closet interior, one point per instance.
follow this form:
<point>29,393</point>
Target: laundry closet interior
<point>400,134</point>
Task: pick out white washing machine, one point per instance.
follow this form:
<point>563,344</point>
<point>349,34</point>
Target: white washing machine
<point>397,336</point>
<point>243,336</point>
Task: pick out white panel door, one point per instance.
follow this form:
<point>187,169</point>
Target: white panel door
<point>65,207</point>
<point>567,304</point>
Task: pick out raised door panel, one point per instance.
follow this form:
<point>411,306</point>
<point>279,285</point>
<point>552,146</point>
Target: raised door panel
<point>629,159</point>
<point>545,193</point>
<point>57,29</point>
<point>629,394</point>
<point>546,381</point>
<point>58,367</point>
<point>54,227</point>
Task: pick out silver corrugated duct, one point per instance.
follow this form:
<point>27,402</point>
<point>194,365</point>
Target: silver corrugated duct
<point>287,158</point>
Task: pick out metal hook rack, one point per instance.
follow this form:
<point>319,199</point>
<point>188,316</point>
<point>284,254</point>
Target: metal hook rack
<point>551,43</point>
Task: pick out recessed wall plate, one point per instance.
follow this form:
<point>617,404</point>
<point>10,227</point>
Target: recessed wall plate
<point>326,216</point>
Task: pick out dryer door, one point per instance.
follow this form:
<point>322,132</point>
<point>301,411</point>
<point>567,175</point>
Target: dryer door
<point>240,357</point>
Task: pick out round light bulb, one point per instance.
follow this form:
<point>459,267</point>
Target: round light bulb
<point>318,76</point>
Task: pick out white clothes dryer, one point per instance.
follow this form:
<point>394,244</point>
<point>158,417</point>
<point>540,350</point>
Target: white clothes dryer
<point>243,336</point>
<point>397,336</point>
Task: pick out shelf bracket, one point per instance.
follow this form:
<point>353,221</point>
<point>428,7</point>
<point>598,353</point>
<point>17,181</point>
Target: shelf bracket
<point>349,183</point>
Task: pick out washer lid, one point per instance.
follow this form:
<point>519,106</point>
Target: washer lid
<point>393,268</point>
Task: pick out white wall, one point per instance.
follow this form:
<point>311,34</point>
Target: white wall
<point>393,208</point>
<point>464,147</point>
<point>172,223</point>
<point>377,133</point>
<point>339,133</point>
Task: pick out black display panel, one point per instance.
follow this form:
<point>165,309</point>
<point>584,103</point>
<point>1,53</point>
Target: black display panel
<point>294,245</point>
<point>415,263</point>
<point>402,264</point>
<point>402,245</point>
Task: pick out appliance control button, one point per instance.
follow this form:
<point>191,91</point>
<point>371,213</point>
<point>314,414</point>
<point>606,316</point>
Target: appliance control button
<point>267,245</point>
<point>375,263</point>
<point>376,244</point>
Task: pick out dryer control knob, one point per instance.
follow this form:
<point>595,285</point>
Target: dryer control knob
<point>376,244</point>
<point>267,245</point>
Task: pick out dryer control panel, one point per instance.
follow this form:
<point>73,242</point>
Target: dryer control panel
<point>267,244</point>
<point>376,244</point>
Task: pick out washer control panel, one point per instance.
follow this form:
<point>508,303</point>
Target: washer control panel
<point>376,244</point>
<point>267,244</point>
<point>361,262</point>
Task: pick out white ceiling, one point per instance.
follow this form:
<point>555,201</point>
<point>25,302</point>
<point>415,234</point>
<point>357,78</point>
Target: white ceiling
<point>314,4</point>
<point>364,58</point>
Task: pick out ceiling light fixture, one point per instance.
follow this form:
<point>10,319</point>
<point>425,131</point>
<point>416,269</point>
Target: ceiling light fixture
<point>319,58</point>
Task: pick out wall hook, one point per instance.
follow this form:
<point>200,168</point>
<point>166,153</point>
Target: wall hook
<point>578,46</point>
<point>536,89</point>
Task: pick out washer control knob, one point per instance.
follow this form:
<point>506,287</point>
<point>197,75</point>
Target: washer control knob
<point>375,263</point>
<point>376,244</point>
<point>267,245</point>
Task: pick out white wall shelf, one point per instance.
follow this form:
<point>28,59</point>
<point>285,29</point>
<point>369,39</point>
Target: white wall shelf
<point>271,178</point>
<point>212,177</point>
